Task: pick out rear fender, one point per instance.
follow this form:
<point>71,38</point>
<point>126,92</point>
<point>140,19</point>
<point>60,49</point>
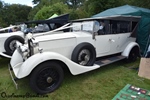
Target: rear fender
<point>129,47</point>
<point>31,63</point>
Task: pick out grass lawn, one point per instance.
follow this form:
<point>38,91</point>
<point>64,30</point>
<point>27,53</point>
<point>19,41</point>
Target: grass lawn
<point>101,84</point>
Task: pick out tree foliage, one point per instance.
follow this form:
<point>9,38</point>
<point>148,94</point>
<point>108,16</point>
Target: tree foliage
<point>9,14</point>
<point>139,3</point>
<point>36,1</point>
<point>87,8</point>
<point>74,3</point>
<point>37,8</point>
<point>71,3</point>
<point>47,11</point>
<point>97,6</point>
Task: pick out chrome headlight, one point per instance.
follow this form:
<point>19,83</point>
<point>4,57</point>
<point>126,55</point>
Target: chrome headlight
<point>18,44</point>
<point>35,43</point>
<point>34,46</point>
<point>24,51</point>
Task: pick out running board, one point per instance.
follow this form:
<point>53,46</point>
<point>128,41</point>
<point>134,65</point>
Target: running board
<point>109,60</point>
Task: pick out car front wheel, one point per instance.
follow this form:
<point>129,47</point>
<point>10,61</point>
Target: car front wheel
<point>46,78</point>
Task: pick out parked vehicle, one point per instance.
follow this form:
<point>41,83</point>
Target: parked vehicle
<point>9,35</point>
<point>82,49</point>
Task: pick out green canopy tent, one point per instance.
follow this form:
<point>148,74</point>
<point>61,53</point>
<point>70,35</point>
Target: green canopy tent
<point>143,30</point>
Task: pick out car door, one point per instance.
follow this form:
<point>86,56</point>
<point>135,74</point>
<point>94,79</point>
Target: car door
<point>120,34</point>
<point>102,43</point>
<point>114,42</point>
<point>123,40</point>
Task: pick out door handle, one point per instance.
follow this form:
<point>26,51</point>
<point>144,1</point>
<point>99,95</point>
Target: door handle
<point>111,40</point>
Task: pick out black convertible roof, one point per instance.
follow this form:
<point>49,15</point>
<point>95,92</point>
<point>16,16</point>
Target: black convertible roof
<point>62,19</point>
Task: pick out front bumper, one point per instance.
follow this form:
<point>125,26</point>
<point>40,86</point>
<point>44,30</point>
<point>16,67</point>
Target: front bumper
<point>12,76</point>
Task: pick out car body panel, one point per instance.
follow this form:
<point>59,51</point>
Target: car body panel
<point>58,21</point>
<point>129,48</point>
<point>23,69</point>
<point>5,36</point>
<point>60,47</point>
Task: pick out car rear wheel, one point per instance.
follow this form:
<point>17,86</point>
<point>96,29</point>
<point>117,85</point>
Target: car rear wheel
<point>46,78</point>
<point>84,54</point>
<point>134,53</point>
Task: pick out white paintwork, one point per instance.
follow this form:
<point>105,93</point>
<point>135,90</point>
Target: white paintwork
<point>128,49</point>
<point>22,69</point>
<point>101,42</point>
<point>66,42</point>
<point>5,36</point>
<point>60,47</point>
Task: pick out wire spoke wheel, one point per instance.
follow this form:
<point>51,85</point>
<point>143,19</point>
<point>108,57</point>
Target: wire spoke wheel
<point>47,78</point>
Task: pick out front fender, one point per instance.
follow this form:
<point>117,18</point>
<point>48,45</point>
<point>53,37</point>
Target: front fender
<point>128,48</point>
<point>31,63</point>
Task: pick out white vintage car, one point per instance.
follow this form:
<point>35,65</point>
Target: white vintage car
<point>86,47</point>
<point>8,39</point>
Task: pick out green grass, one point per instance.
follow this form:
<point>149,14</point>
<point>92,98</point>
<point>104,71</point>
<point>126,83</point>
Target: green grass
<point>101,84</point>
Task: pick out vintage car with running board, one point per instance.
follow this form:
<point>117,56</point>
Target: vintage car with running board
<point>80,50</point>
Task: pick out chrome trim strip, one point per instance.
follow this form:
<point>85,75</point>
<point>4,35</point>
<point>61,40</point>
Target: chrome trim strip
<point>57,39</point>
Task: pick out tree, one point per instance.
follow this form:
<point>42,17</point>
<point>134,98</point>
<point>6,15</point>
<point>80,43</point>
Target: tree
<point>87,8</point>
<point>74,3</point>
<point>97,6</point>
<point>71,3</point>
<point>139,3</point>
<point>36,1</point>
<point>15,13</point>
<point>39,6</point>
<point>47,11</point>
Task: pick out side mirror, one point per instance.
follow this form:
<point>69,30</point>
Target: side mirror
<point>95,28</point>
<point>93,35</point>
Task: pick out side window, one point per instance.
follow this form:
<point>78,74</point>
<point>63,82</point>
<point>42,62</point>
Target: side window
<point>124,26</point>
<point>120,27</point>
<point>104,27</point>
<point>46,27</point>
<point>51,26</point>
<point>114,27</point>
<point>134,26</point>
<point>107,27</point>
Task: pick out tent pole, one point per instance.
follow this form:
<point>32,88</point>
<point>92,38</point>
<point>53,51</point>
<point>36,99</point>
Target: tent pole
<point>147,45</point>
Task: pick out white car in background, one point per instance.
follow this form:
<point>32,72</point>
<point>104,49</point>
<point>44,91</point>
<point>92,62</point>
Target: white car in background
<point>84,48</point>
<point>8,39</point>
